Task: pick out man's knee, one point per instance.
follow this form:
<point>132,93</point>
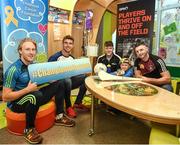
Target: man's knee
<point>59,83</point>
<point>68,82</point>
<point>37,93</point>
<point>167,87</point>
<point>82,76</point>
<point>38,96</point>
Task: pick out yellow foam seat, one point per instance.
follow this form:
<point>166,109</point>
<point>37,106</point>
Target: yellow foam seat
<point>158,136</point>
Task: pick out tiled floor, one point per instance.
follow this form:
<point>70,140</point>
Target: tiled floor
<point>109,129</point>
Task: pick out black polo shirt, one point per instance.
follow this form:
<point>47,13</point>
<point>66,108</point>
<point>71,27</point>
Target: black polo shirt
<point>112,64</point>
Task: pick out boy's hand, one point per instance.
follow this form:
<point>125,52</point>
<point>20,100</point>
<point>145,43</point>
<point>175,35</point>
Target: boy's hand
<point>120,73</point>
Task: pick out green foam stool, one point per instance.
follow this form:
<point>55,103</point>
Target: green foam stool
<point>158,136</point>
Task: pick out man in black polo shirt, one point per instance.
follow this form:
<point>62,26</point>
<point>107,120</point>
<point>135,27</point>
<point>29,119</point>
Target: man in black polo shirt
<point>110,59</point>
<point>151,68</point>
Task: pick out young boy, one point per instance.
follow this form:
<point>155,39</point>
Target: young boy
<point>125,68</point>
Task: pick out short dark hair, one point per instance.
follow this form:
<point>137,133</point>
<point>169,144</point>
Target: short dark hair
<point>108,43</point>
<point>68,37</point>
<point>139,42</point>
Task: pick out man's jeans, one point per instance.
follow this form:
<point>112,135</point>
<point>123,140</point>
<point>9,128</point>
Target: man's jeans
<point>73,83</point>
<point>167,87</point>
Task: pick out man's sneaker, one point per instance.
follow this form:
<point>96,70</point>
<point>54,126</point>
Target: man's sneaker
<point>64,121</point>
<point>71,113</point>
<point>32,136</point>
<point>81,107</point>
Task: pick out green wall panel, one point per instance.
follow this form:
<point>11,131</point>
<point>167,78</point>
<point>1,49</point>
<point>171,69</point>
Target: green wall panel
<point>174,71</point>
<point>107,27</point>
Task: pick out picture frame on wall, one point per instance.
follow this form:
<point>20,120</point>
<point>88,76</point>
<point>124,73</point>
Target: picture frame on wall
<point>58,15</point>
<point>79,17</point>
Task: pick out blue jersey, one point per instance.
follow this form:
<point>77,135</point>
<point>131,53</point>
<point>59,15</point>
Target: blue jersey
<point>16,76</point>
<point>129,72</point>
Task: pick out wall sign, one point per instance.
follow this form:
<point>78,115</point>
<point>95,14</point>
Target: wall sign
<point>52,71</point>
<point>134,20</point>
<point>20,19</point>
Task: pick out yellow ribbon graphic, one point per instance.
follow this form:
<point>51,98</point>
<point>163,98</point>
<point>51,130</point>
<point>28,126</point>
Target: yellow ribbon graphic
<point>10,16</point>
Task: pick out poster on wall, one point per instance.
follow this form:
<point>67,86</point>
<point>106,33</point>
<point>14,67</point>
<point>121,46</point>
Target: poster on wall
<point>21,19</point>
<point>79,17</point>
<point>58,15</point>
<point>135,20</point>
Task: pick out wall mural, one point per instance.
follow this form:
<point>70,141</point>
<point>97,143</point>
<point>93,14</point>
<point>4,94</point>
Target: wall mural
<point>20,19</point>
<point>170,37</point>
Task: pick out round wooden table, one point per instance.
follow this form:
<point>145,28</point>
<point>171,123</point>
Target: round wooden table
<point>163,107</point>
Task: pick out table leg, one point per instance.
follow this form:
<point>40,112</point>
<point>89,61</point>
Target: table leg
<point>91,130</point>
<point>177,130</point>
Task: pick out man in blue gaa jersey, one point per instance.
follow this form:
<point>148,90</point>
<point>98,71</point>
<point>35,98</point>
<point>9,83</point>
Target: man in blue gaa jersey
<point>23,95</point>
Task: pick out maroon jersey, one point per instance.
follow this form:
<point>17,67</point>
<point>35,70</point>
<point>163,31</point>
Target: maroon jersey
<point>152,68</point>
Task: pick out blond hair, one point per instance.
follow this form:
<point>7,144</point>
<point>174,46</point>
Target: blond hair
<point>125,60</point>
<point>26,40</point>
